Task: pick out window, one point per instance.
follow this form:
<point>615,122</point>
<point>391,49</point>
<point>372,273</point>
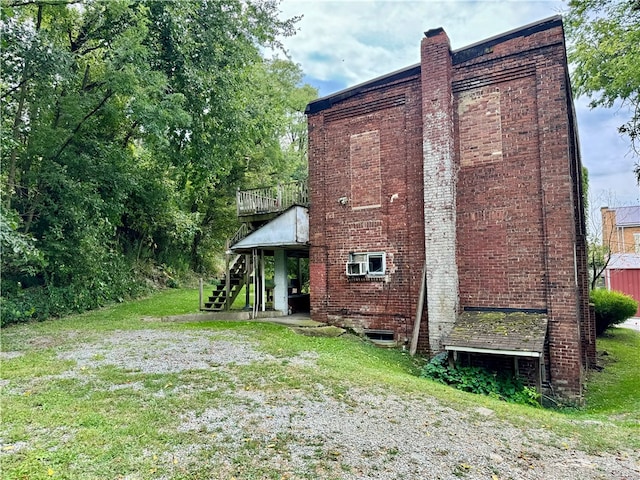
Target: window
<point>636,240</point>
<point>369,264</point>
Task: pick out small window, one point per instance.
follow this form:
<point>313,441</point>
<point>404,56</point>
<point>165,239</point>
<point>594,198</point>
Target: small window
<point>636,240</point>
<point>366,264</point>
<point>376,264</point>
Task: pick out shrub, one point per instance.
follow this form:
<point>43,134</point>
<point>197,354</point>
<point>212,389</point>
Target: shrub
<point>480,380</point>
<point>611,308</point>
<point>115,284</point>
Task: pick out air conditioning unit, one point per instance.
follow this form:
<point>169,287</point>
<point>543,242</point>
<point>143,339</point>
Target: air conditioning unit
<point>356,269</point>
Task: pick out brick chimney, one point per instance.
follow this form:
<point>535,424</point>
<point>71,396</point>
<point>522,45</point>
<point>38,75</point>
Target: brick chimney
<point>440,169</point>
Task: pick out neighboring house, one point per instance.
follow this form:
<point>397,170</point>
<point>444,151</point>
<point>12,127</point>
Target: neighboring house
<point>623,275</point>
<point>621,229</point>
<point>465,166</point>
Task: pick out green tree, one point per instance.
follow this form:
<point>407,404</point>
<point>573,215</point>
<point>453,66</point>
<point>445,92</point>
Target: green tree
<point>126,128</point>
<point>604,47</point>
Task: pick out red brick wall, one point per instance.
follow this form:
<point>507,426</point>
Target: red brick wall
<point>500,230</point>
<point>372,158</point>
<point>519,238</point>
<point>520,226</point>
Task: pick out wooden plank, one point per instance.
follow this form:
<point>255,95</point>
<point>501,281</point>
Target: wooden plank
<point>419,308</point>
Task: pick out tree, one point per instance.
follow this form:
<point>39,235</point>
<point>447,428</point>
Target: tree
<point>126,128</point>
<point>604,47</point>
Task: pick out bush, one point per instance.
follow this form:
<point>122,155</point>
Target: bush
<point>611,308</point>
<point>115,284</point>
<point>480,380</point>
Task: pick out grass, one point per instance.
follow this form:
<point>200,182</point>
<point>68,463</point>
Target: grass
<point>616,389</point>
<point>108,422</point>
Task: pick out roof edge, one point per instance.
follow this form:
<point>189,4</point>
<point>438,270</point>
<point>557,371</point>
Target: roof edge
<point>468,52</point>
<point>458,56</point>
<point>329,100</point>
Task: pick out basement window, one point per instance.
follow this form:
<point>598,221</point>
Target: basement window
<point>381,338</point>
<point>366,264</point>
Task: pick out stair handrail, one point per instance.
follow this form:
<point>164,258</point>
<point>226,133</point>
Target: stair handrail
<point>233,262</point>
<point>241,233</point>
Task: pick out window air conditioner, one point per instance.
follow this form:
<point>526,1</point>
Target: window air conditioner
<point>356,269</point>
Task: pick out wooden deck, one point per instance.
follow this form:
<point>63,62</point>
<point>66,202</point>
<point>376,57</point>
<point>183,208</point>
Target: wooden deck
<point>269,200</point>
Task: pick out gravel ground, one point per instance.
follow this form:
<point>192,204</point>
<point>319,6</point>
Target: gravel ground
<point>314,433</point>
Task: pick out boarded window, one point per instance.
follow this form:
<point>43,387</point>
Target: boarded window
<point>480,127</point>
<point>365,170</point>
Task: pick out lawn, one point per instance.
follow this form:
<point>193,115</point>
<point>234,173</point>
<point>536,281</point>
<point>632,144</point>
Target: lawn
<point>70,410</point>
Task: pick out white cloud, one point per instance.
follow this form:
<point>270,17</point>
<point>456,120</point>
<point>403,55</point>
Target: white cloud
<point>343,43</point>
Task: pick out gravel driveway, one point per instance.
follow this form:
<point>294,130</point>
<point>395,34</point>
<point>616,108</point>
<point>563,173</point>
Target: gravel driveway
<point>313,432</point>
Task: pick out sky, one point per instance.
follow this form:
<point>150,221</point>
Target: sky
<point>340,44</point>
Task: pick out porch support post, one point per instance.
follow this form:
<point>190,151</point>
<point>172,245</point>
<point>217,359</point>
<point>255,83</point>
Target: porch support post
<point>263,296</point>
<point>281,282</point>
<point>247,277</point>
<point>227,278</point>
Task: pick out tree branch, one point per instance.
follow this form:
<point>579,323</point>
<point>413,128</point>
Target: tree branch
<point>84,119</point>
<point>24,80</point>
<point>130,133</point>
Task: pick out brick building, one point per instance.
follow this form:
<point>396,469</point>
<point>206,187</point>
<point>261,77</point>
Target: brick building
<point>464,166</point>
<point>621,229</point>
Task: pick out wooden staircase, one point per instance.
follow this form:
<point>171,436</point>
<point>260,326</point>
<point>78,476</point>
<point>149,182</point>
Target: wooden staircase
<point>218,300</point>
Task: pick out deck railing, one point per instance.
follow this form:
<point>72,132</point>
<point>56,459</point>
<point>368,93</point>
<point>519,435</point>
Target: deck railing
<point>271,199</point>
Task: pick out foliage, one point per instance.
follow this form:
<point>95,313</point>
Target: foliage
<point>598,259</point>
<point>604,47</point>
<point>611,308</point>
<point>127,127</point>
<point>480,380</point>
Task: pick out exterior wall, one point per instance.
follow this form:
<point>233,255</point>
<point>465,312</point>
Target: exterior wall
<point>626,281</point>
<point>476,157</point>
<point>616,238</point>
<point>520,235</point>
<point>367,151</point>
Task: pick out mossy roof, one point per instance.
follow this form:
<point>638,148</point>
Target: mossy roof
<point>508,331</point>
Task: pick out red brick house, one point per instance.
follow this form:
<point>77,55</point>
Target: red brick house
<point>621,229</point>
<point>465,165</point>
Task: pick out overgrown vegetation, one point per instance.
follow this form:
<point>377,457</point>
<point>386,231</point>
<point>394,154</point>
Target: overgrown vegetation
<point>612,308</point>
<point>501,385</point>
<point>127,126</point>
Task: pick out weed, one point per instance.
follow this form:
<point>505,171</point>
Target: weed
<point>480,380</point>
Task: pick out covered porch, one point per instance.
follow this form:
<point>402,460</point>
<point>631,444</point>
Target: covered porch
<point>276,257</point>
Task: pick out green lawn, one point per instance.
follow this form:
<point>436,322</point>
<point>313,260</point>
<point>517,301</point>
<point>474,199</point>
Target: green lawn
<point>88,425</point>
<point>616,389</point>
